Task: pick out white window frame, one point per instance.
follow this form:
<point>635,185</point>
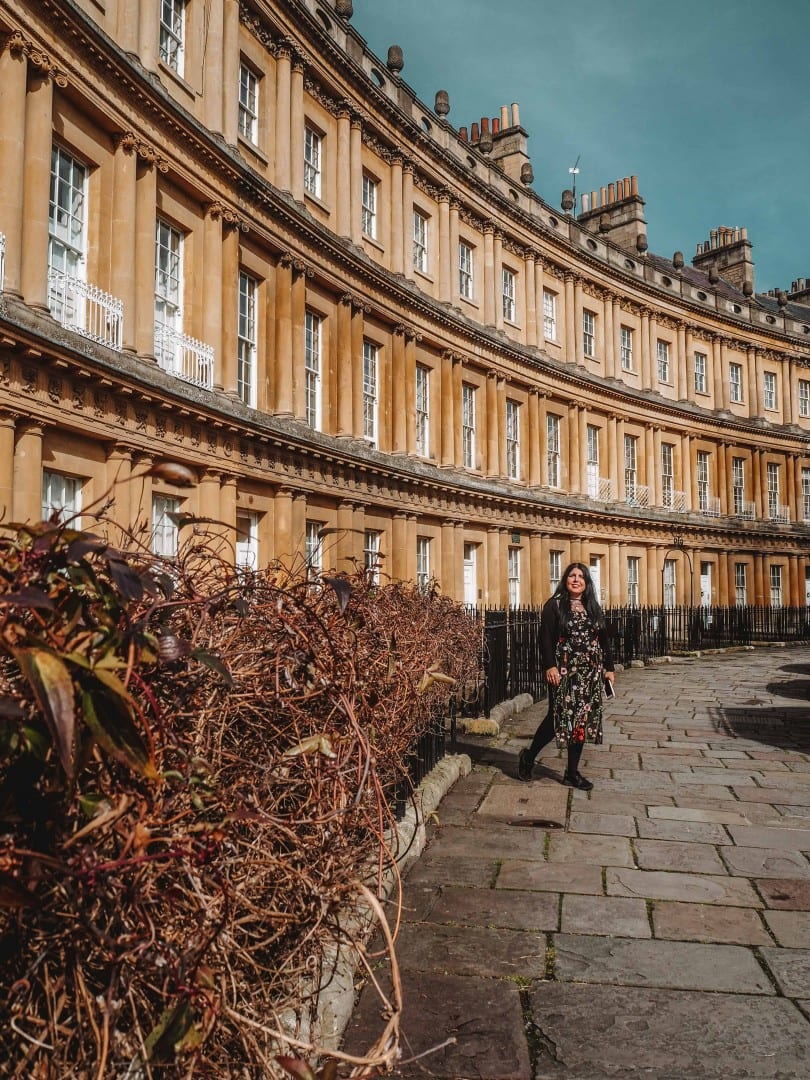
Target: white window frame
<point>423,563</point>
<point>769,390</point>
<point>247,340</point>
<point>702,478</point>
<point>669,580</point>
<point>421,235</point>
<point>513,440</point>
<point>313,366</point>
<point>468,425</point>
<point>371,403</point>
<point>553,450</point>
<point>588,334</point>
<point>805,494</point>
<point>804,397</point>
<point>554,569</point>
<point>248,123</point>
<point>700,372</point>
<point>668,475</point>
<point>169,251</point>
<point>549,315</point>
<point>67,234</point>
<point>61,496</point>
<point>775,577</point>
<point>466,269</point>
<point>470,574</point>
<point>772,473</point>
<point>369,209</point>
<point>626,335</point>
<point>663,361</point>
<point>313,153</point>
<point>371,555</point>
<point>513,576</point>
<point>630,467</point>
<point>633,563</point>
<point>592,460</point>
<point>740,584</point>
<point>173,34</point>
<point>313,548</point>
<point>247,540</point>
<point>508,288</point>
<point>738,484</point>
<point>422,403</point>
<point>164,529</point>
<point>735,391</point>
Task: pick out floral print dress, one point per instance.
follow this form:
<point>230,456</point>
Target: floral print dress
<point>578,698</point>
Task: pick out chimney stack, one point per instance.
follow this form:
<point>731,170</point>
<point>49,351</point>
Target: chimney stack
<point>617,210</point>
<point>727,253</point>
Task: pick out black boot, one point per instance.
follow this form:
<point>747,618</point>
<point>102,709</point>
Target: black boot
<point>577,780</point>
<point>525,765</point>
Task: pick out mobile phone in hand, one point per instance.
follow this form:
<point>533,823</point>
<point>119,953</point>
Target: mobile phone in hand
<point>609,691</point>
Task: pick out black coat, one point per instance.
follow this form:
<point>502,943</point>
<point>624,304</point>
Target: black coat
<point>550,633</point>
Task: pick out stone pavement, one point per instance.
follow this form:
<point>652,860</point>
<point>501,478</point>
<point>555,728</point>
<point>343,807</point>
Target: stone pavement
<point>657,927</point>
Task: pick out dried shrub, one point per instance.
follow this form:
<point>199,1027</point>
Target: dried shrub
<point>197,770</point>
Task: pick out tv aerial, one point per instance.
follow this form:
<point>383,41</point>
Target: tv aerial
<point>574,172</point>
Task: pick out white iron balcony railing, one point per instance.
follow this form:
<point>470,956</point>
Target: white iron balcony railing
<point>637,495</point>
<point>2,260</point>
<point>745,509</point>
<point>673,500</point>
<point>779,514</point>
<point>184,356</point>
<point>710,506</point>
<point>601,488</point>
<point>85,308</point>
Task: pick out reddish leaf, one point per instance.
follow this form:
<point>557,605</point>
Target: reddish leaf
<point>30,598</point>
<point>297,1068</point>
<point>110,714</point>
<point>50,680</point>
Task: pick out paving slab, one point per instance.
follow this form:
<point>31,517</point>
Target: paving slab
<point>698,832</point>
<point>497,842</point>
<point>790,928</point>
<point>550,877</point>
<point>622,916</point>
<point>786,894</point>
<point>762,862</point>
<point>691,888</point>
<point>788,839</point>
<point>433,869</point>
<point>678,855</point>
<point>691,813</point>
<point>483,1017</point>
<point>676,965</point>
<point>783,795</point>
<point>471,950</point>
<point>515,910</point>
<point>790,968</point>
<point>593,1032</point>
<point>537,801</point>
<point>584,848</point>
<point>677,921</point>
<point>602,824</point>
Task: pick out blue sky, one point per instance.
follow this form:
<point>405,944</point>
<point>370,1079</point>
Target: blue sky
<point>706,101</point>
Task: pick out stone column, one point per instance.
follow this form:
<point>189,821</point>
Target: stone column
<point>359,538</point>
<point>122,261</point>
<point>646,363</point>
<point>717,371</point>
<point>448,558</point>
<point>492,426</point>
<point>399,538</point>
<point>447,292</point>
<point>787,391</point>
<point>283,404</point>
<point>447,404</point>
<point>345,553</point>
<point>613,454</point>
<point>212,68</point>
<point>579,347</point>
<point>345,420</point>
<point>7,421</point>
<point>530,289</point>
<point>751,366</point>
<point>343,225</point>
<point>621,489</point>
<point>126,26</point>
<point>650,463</point>
<point>616,304</point>
<point>356,179</point>
<point>615,595</point>
<point>656,486</point>
<point>653,576</point>
<point>140,496</point>
<point>534,436</point>
<point>358,326</point>
<point>493,590</point>
<point>298,528</point>
<point>760,496</point>
<point>760,396</point>
<point>790,484</point>
<point>212,286</point>
<point>497,271</point>
<point>488,305</point>
<point>539,288</point>
<point>409,378</point>
<point>298,303</point>
<point>230,77</point>
<point>283,177</point>
<point>407,222</point>
<point>397,228</point>
<point>228,346</point>
<point>399,413</point>
<point>297,129</point>
<point>36,190</point>
<point>763,483</point>
<point>582,438</point>
<point>13,72</point>
<point>117,474</point>
<point>542,409</point>
<point>722,579</point>
<point>571,437</point>
<point>760,595</point>
<point>610,340</point>
<point>145,231</point>
<point>570,350</point>
<point>690,365</point>
<point>683,362</point>
<point>27,473</point>
<point>410,548</point>
<point>722,479</point>
<point>458,593</point>
<point>500,414</point>
<point>227,515</point>
<point>149,35</point>
<point>686,466</point>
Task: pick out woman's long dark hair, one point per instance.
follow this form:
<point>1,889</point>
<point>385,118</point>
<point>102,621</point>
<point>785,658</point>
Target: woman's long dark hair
<point>589,599</point>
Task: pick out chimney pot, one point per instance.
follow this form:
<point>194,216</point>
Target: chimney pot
<point>474,135</point>
<point>504,117</point>
<point>484,124</point>
<point>603,196</point>
<point>462,134</point>
<point>515,114</point>
<point>586,203</point>
<point>496,125</point>
<point>611,193</point>
<point>634,185</point>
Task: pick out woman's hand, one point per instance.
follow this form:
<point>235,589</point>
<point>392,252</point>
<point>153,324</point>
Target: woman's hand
<point>553,676</point>
<point>610,676</point>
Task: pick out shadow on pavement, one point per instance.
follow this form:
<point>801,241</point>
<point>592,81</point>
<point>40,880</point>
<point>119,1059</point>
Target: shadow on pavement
<point>786,728</point>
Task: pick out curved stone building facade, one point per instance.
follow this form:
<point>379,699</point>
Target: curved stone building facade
<point>234,238</point>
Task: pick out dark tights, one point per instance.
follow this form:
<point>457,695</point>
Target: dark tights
<point>544,735</point>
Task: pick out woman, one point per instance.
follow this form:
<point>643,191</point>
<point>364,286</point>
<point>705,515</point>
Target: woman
<point>577,661</point>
